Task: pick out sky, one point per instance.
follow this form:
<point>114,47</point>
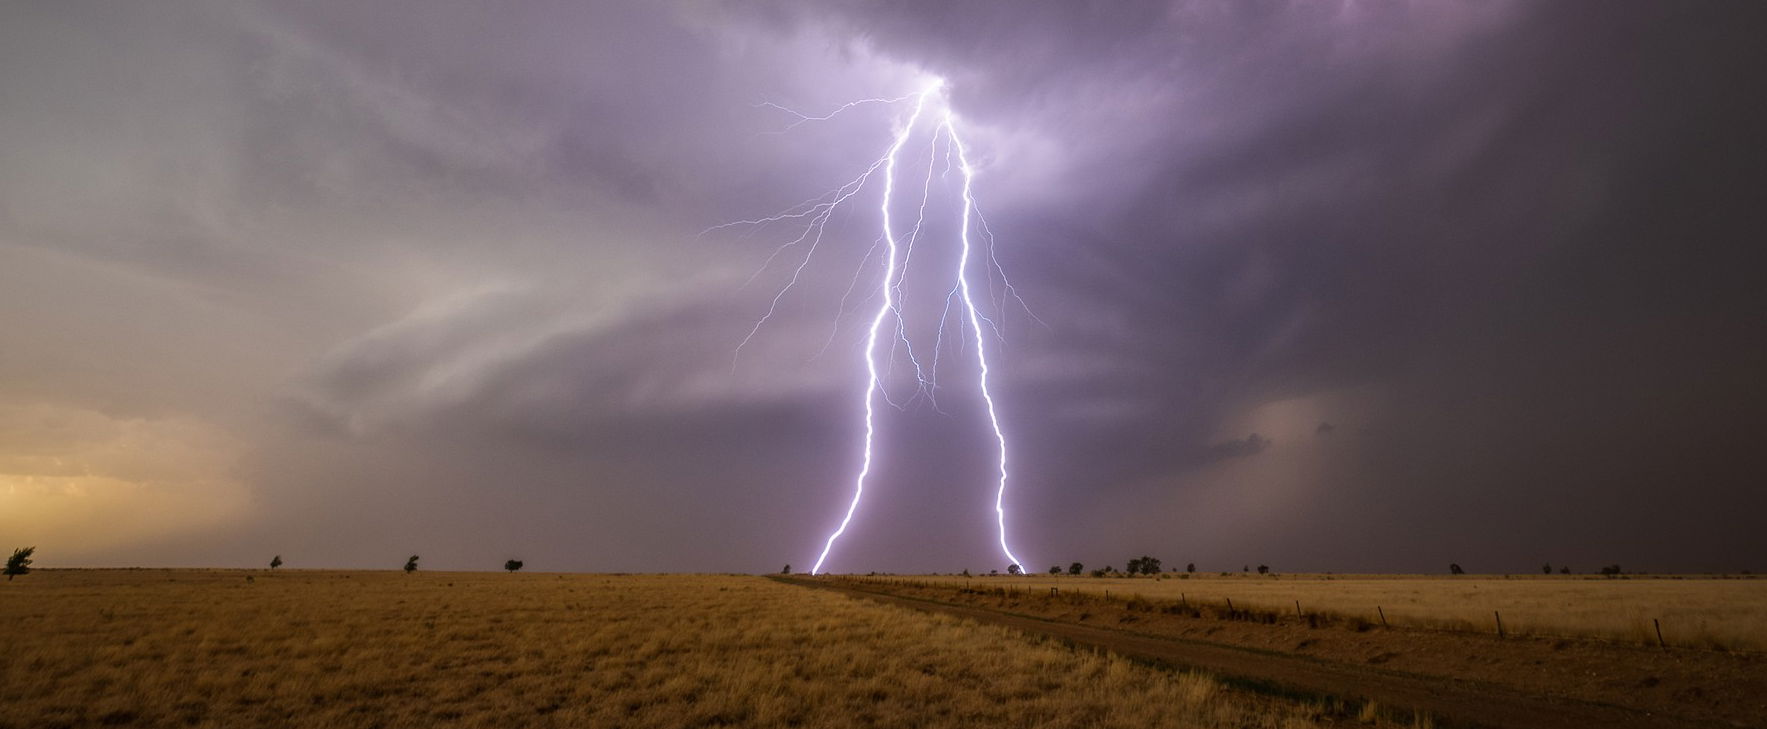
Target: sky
<point>1334,286</point>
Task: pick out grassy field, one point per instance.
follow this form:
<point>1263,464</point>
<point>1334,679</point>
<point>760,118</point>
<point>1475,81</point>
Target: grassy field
<point>1694,612</point>
<point>383,649</point>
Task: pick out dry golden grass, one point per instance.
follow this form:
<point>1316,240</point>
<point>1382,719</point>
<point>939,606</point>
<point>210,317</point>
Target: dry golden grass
<point>1694,612</point>
<point>382,649</point>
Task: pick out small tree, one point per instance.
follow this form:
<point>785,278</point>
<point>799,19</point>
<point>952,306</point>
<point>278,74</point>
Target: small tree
<point>1612,570</point>
<point>1263,569</point>
<point>1546,569</point>
<point>1191,568</point>
<point>1013,569</point>
<point>276,561</point>
<point>1454,569</point>
<point>512,565</point>
<point>1076,568</point>
<point>19,563</point>
<point>1055,569</point>
<point>411,564</point>
<point>1564,570</point>
<point>786,570</point>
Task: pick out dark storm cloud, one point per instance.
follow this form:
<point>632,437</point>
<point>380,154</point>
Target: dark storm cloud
<point>434,269</point>
<point>1506,233</point>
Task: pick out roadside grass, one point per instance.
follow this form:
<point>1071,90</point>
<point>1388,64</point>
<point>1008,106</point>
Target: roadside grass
<point>1693,612</point>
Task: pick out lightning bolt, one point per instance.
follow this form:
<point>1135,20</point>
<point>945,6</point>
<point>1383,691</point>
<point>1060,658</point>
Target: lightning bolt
<point>813,216</point>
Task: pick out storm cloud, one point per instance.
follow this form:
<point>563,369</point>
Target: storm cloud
<point>346,282</point>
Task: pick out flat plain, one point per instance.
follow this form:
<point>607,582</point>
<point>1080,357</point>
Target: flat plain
<point>224,648</point>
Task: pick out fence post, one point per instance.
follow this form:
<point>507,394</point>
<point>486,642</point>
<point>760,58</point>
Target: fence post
<point>1383,616</point>
<point>1298,610</point>
<point>1230,609</point>
<point>1659,626</point>
<point>1499,623</point>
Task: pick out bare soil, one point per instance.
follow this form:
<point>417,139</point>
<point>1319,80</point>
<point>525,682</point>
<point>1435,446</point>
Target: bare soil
<point>1462,679</point>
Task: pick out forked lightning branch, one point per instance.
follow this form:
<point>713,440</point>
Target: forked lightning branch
<point>927,113</point>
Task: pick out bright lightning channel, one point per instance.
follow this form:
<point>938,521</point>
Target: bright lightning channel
<point>814,215</point>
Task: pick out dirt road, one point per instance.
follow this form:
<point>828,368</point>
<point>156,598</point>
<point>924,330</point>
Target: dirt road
<point>1452,702</point>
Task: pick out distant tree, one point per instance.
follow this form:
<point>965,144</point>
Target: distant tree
<point>1263,569</point>
<point>20,562</point>
<point>1246,568</point>
<point>1013,569</point>
<point>1143,565</point>
<point>1454,569</point>
<point>1055,569</point>
<point>1190,567</point>
<point>993,572</point>
<point>1564,570</point>
<point>1076,568</point>
<point>276,561</point>
<point>1133,567</point>
<point>786,570</point>
<point>512,565</point>
<point>411,564</point>
<point>1546,569</point>
<point>1612,570</point>
<point>966,572</point>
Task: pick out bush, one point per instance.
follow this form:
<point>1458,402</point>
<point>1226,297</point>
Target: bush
<point>512,565</point>
<point>1076,568</point>
<point>1454,569</point>
<point>20,562</point>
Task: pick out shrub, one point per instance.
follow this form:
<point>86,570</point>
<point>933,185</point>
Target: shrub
<point>19,563</point>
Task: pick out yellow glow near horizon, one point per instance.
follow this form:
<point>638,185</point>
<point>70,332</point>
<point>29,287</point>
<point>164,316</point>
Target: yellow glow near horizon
<point>77,482</point>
